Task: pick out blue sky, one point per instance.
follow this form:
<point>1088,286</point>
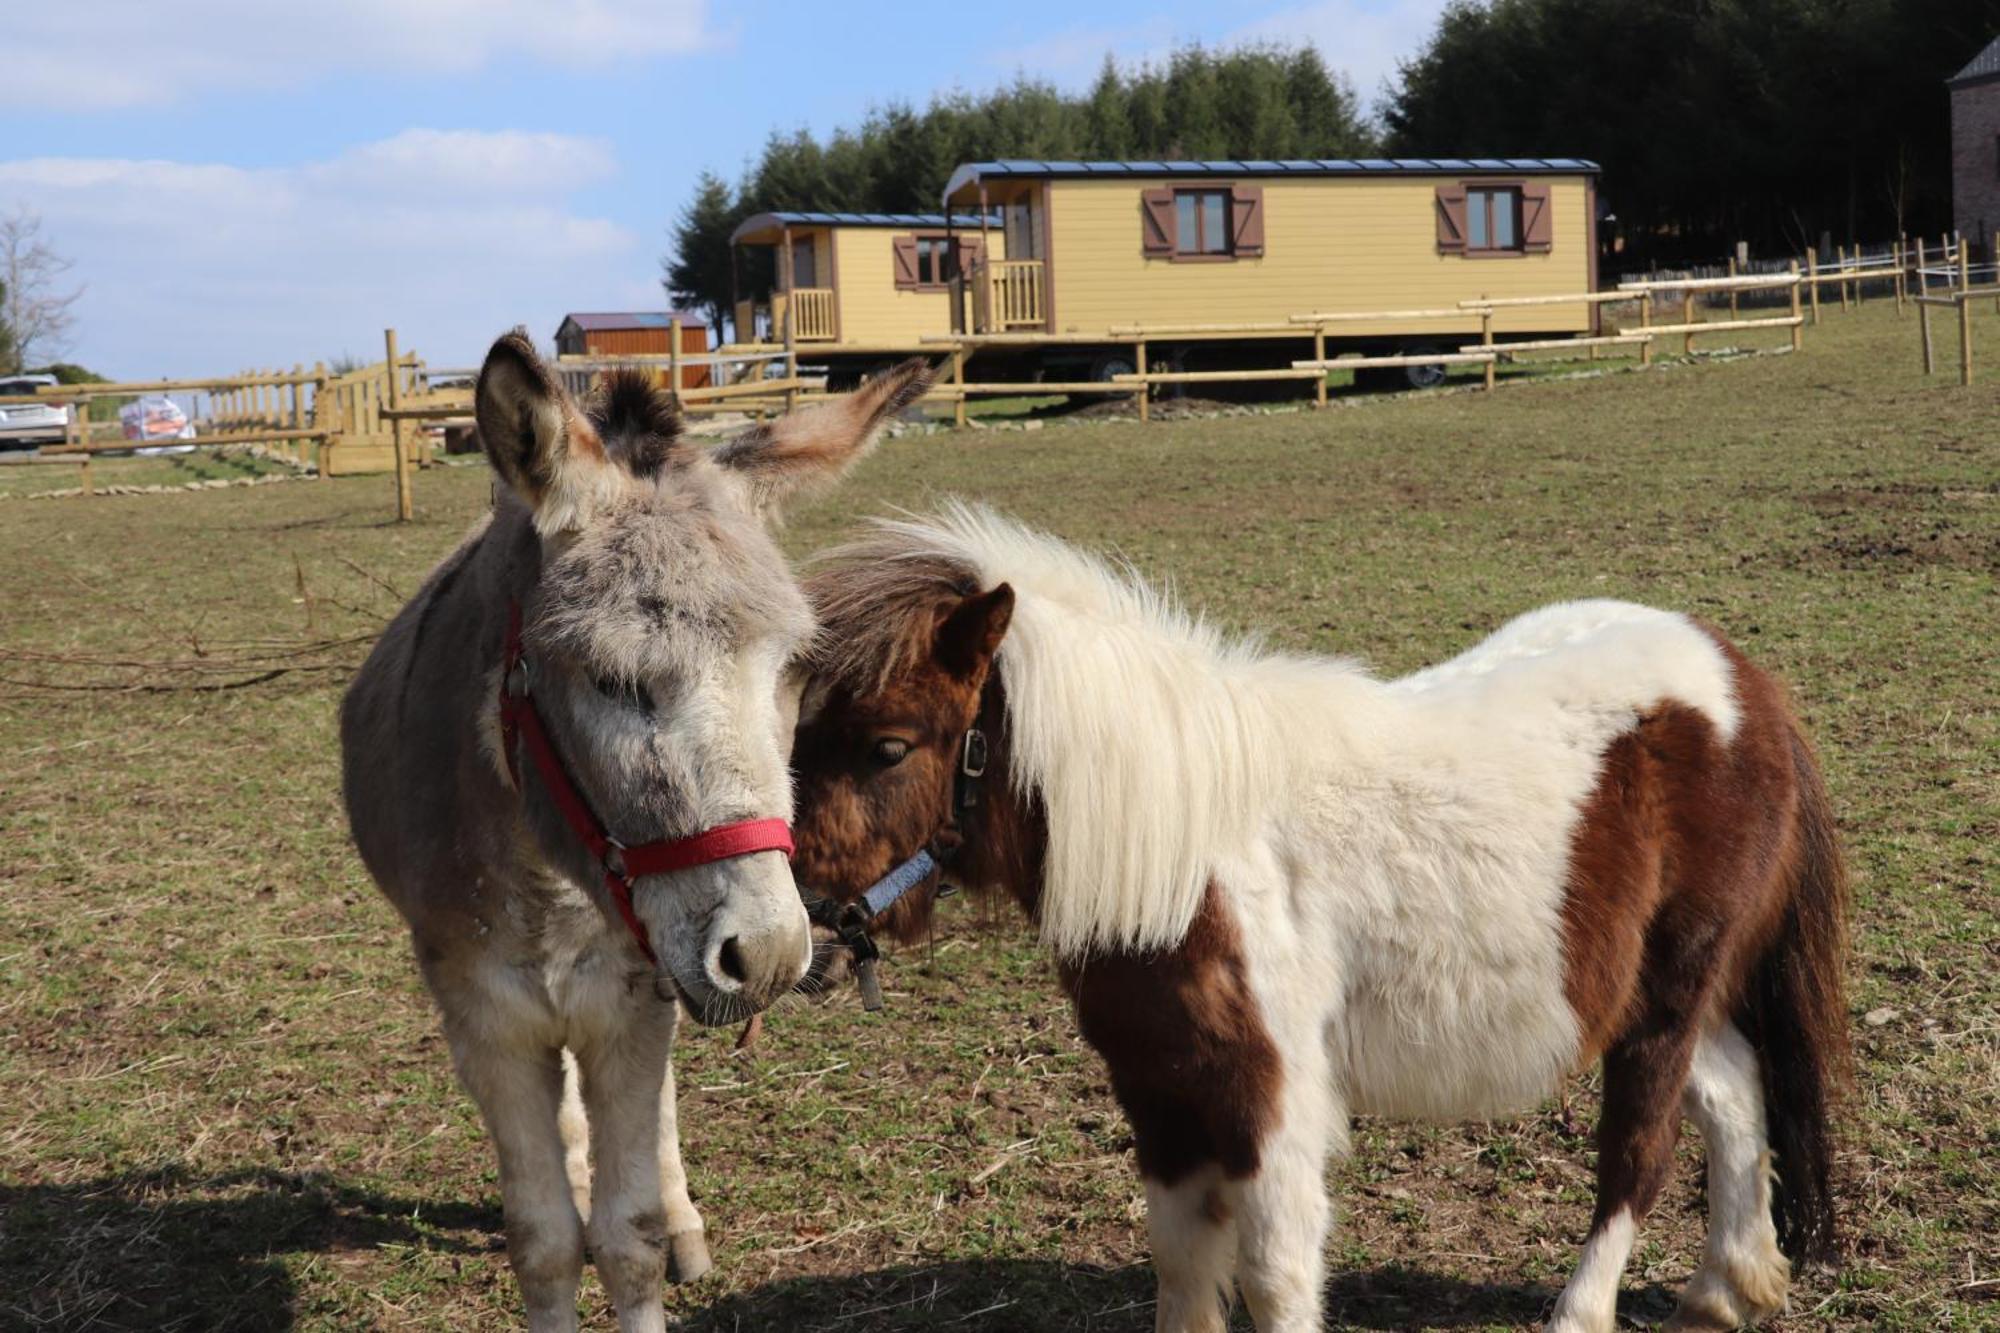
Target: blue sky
<point>253,183</point>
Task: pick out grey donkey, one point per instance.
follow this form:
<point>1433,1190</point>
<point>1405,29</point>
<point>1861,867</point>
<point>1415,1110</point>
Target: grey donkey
<point>625,591</point>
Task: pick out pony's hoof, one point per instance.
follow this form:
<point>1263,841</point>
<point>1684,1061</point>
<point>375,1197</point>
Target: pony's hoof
<point>1738,1293</point>
<point>687,1256</point>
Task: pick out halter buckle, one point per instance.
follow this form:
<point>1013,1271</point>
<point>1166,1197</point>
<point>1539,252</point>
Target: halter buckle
<point>614,859</point>
<point>972,761</point>
<point>520,678</point>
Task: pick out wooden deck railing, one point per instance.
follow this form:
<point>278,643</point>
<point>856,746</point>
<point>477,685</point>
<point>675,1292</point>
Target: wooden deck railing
<point>812,308</point>
<point>1014,295</point>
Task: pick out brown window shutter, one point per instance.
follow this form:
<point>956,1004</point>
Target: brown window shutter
<point>905,252</point>
<point>1451,219</point>
<point>1537,219</point>
<point>1246,219</point>
<point>1156,219</point>
<point>971,249</point>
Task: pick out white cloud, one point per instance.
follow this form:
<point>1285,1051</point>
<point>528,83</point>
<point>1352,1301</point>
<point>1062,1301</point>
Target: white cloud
<point>59,56</point>
<point>1365,39</point>
<point>1071,57</point>
<point>450,236</point>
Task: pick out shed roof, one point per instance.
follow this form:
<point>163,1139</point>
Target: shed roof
<point>971,173</point>
<point>601,321</point>
<point>1983,68</point>
<point>763,222</point>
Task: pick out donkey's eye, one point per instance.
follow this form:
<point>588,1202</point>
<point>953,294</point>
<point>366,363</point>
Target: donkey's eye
<point>890,751</point>
<point>626,693</point>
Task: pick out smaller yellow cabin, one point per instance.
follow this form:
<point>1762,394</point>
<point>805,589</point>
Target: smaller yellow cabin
<point>852,284</point>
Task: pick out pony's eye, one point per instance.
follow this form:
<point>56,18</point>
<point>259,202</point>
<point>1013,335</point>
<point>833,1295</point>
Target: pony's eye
<point>890,751</point>
<point>626,693</point>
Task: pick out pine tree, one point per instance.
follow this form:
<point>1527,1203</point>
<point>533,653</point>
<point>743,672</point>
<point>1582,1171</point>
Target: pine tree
<point>1107,124</point>
<point>696,276</point>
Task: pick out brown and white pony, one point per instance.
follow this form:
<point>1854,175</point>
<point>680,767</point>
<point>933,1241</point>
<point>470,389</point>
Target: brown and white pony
<point>565,765</point>
<point>1281,891</point>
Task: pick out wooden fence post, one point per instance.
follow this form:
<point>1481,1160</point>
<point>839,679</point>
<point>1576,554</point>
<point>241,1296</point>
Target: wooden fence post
<point>791,351</point>
<point>76,433</point>
<point>1964,316</point>
<point>1646,322</point>
<point>1924,325</point>
<point>298,412</point>
<point>1145,389</point>
<point>322,414</point>
<point>1732,290</point>
<point>1812,280</point>
<point>958,378</point>
<point>1902,286</point>
<point>1798,332</point>
<point>1486,336</point>
<point>1687,317</point>
<point>1319,355</point>
<point>674,361</point>
<point>405,508</point>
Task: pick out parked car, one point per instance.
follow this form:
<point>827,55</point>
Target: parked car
<point>26,425</point>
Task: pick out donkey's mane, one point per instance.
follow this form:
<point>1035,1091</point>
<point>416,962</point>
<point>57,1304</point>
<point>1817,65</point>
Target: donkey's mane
<point>1157,747</point>
<point>638,421</point>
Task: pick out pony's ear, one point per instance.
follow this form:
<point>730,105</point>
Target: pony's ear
<point>801,449</point>
<point>537,440</point>
<point>970,633</point>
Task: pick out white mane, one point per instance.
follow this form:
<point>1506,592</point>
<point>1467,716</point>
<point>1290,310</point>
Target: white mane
<point>1157,746</point>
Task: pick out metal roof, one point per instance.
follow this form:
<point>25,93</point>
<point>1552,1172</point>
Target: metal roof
<point>763,220</point>
<point>972,172</point>
<point>1984,67</point>
<point>598,322</point>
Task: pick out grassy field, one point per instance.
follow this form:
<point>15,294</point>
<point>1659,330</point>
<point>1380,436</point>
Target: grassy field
<point>228,1105</point>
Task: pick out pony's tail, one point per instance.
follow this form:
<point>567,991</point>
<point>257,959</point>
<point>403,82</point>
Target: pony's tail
<point>1798,1016</point>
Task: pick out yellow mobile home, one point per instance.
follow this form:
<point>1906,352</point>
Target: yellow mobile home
<point>1076,249</point>
<point>852,289</point>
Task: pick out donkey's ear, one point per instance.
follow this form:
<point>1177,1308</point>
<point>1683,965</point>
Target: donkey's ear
<point>537,440</point>
<point>970,632</point>
<point>814,447</point>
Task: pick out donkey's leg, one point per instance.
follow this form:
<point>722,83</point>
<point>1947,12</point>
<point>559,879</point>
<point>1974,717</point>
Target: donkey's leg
<point>1194,1251</point>
<point>1643,1078</point>
<point>1743,1274</point>
<point>624,1067</point>
<point>520,1096</point>
<point>687,1241</point>
<point>1284,1214</point>
<point>575,1136</point>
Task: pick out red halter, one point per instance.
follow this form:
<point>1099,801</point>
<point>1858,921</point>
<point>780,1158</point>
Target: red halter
<point>520,718</point>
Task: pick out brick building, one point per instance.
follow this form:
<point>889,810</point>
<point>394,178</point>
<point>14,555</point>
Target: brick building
<point>1975,148</point>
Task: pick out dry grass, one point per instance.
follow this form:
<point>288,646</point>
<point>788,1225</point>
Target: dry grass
<point>229,1107</point>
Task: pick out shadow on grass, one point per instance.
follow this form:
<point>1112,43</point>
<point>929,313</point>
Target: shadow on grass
<point>1007,1295</point>
<point>169,1249</point>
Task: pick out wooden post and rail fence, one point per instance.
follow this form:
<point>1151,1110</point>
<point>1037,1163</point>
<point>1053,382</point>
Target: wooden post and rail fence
<point>359,420</point>
<point>337,422</point>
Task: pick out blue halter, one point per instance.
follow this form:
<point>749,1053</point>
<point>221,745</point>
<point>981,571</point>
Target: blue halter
<point>886,891</point>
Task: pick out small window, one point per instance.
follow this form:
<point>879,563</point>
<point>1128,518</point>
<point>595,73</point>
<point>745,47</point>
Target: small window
<point>1493,219</point>
<point>1201,222</point>
<point>936,265</point>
